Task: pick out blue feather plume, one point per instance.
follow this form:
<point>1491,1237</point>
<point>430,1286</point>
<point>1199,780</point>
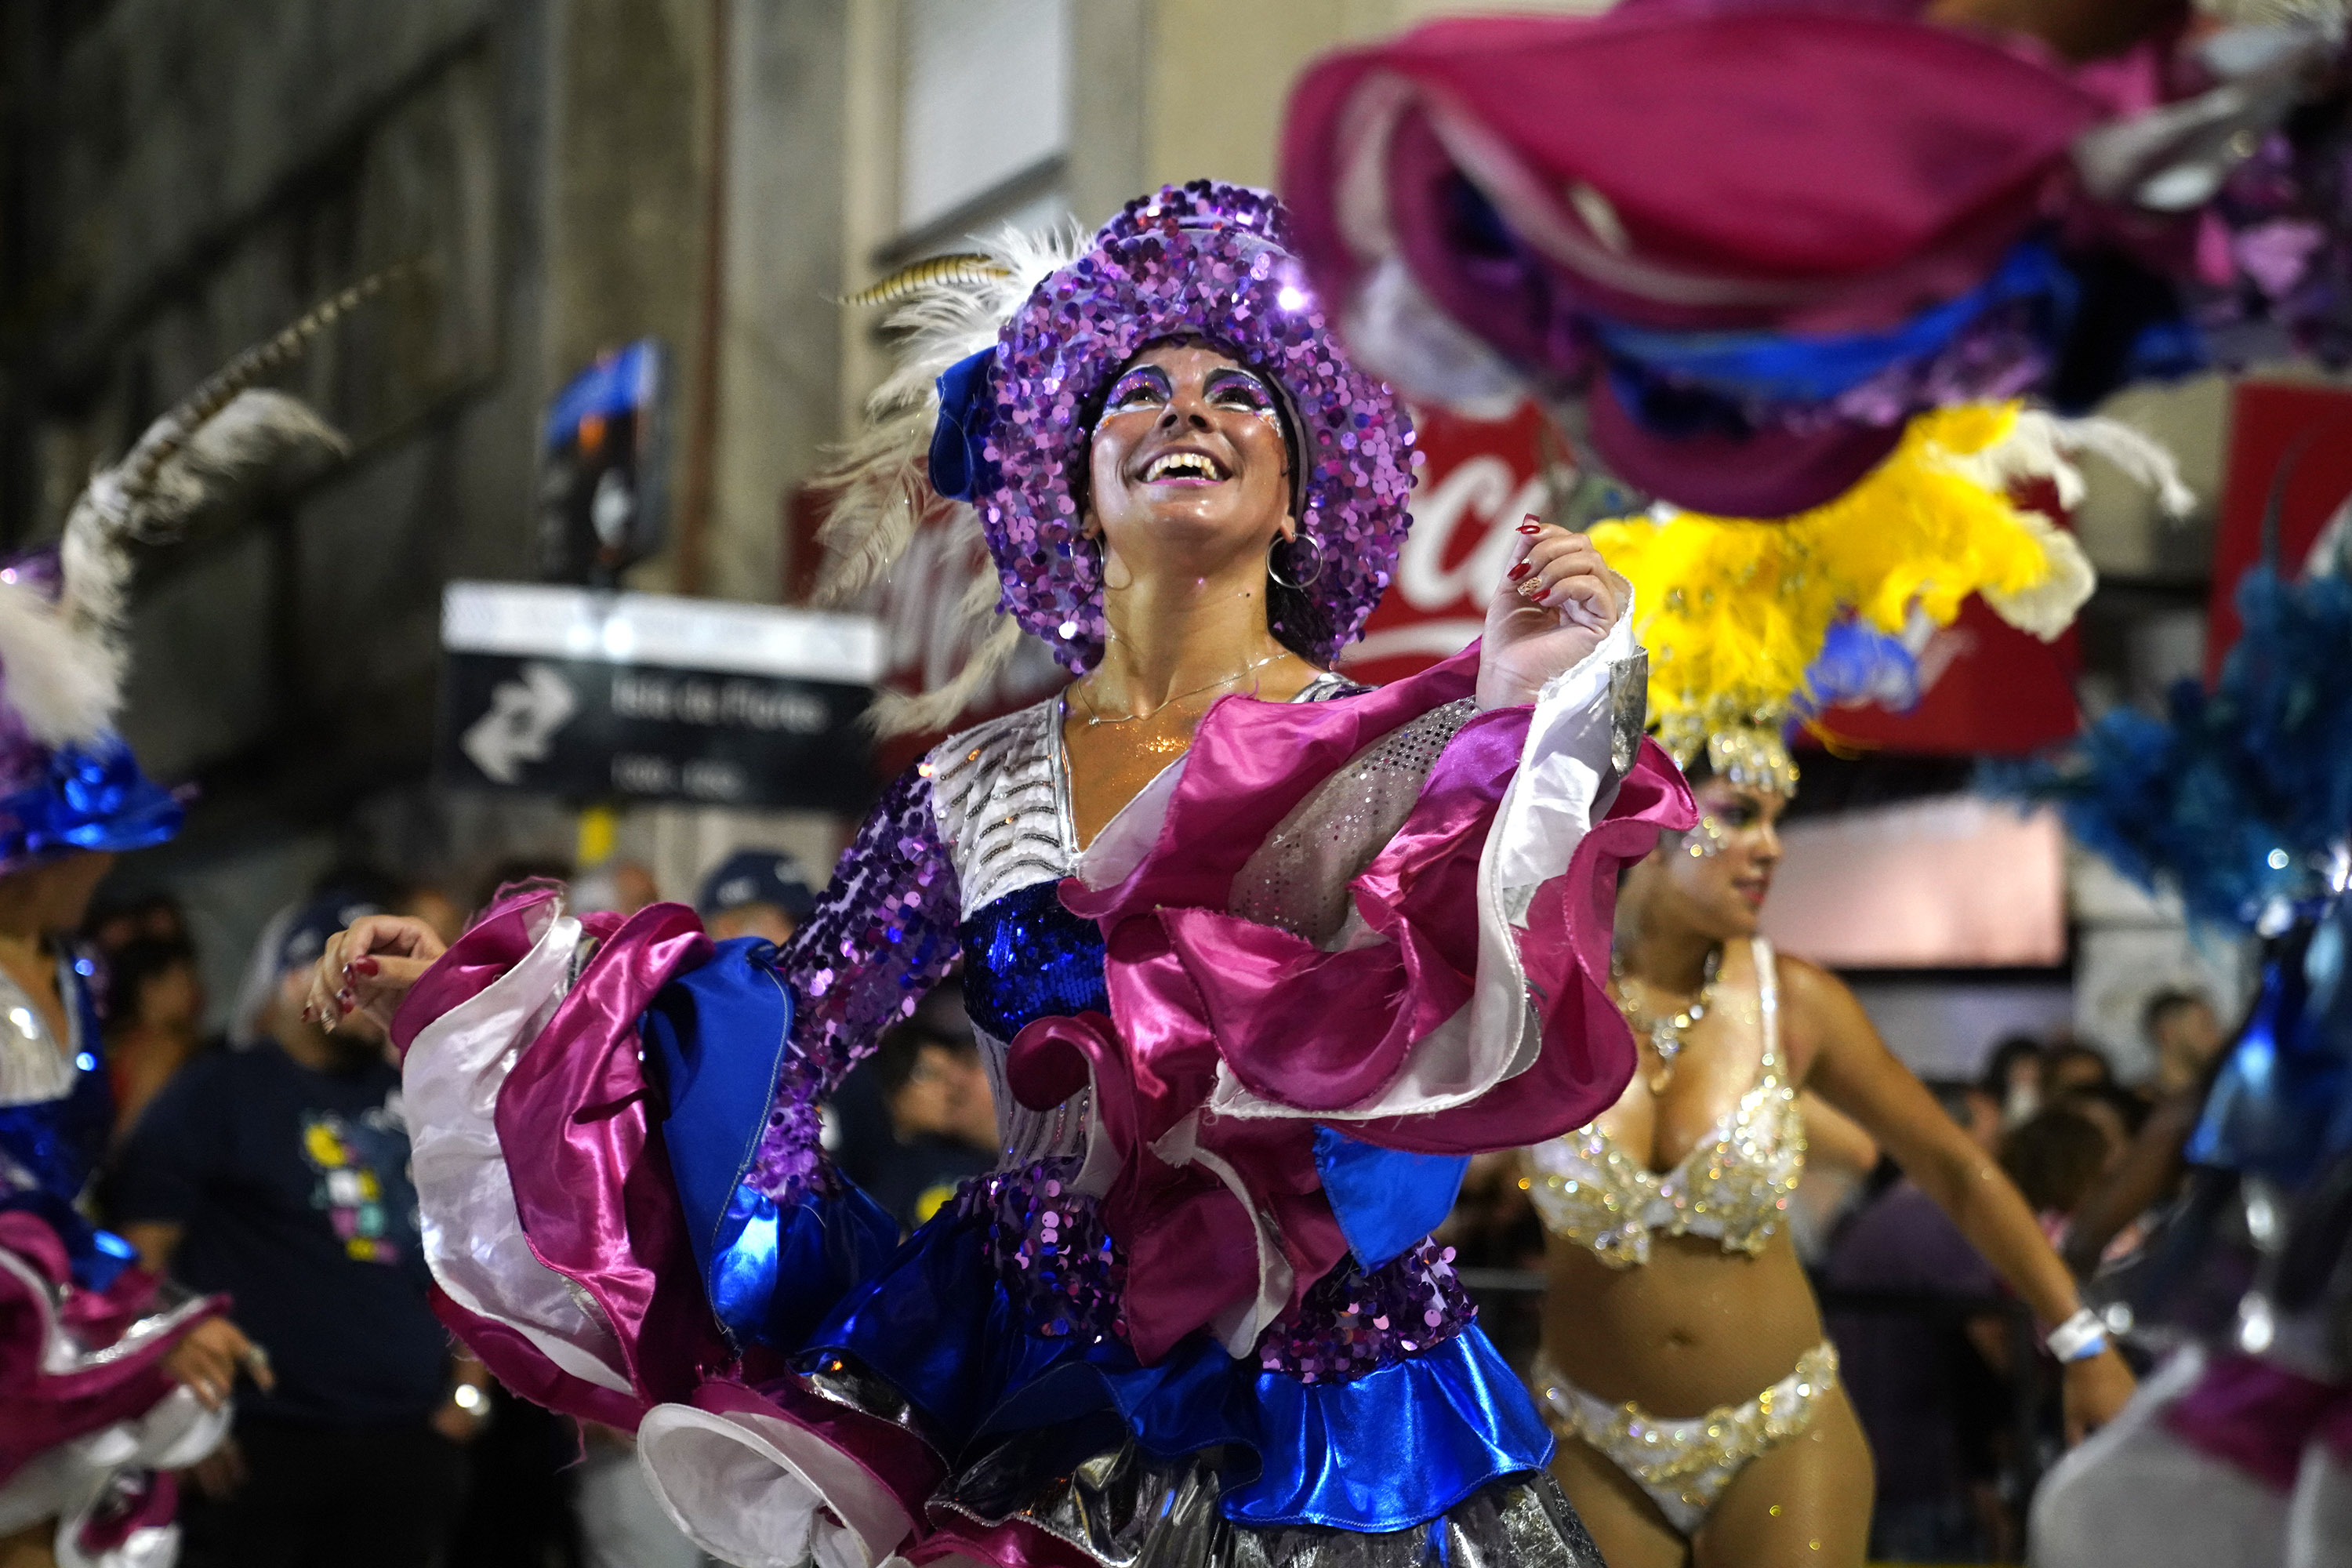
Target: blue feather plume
<point>2241,795</point>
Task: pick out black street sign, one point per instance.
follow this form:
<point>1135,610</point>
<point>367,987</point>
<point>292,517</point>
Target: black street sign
<point>586,695</point>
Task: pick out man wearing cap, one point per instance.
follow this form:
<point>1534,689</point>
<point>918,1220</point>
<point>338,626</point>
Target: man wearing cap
<point>755,892</point>
<point>279,1176</point>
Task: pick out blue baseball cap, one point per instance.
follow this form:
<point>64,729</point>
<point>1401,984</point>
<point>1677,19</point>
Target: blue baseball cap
<point>757,876</point>
<point>306,936</point>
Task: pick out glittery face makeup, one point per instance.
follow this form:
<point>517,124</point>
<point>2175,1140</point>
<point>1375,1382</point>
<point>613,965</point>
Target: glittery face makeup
<point>1724,867</point>
<point>1144,389</point>
<point>1188,465</point>
<point>1147,388</point>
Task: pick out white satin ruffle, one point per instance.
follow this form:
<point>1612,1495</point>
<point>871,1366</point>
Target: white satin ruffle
<point>473,1235</point>
<point>761,1492</point>
<point>68,1483</point>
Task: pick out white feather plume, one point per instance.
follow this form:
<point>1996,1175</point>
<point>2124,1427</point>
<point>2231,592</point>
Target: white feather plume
<point>64,662</point>
<point>2042,445</point>
<point>879,482</point>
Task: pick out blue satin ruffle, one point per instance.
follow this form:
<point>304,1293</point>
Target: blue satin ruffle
<point>1328,1454</point>
<point>716,1037</point>
<point>1386,1199</point>
<point>1782,367</point>
<point>93,798</point>
<point>936,1326</point>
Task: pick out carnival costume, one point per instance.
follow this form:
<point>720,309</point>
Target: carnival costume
<point>88,1416</point>
<point>2239,801</point>
<point>1734,245</point>
<point>1242,1042</point>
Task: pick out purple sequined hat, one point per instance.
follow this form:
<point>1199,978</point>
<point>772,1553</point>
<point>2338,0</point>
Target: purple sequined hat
<point>1201,260</point>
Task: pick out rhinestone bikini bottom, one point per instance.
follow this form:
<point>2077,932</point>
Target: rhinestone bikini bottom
<point>1685,1463</point>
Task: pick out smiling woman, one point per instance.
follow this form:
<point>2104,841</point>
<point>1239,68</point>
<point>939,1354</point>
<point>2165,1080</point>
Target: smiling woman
<point>1256,957</point>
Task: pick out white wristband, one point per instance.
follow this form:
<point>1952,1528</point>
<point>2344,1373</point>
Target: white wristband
<point>2079,1338</point>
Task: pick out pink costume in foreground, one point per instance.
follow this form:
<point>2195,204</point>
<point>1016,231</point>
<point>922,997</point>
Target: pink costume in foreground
<point>1194,1303</point>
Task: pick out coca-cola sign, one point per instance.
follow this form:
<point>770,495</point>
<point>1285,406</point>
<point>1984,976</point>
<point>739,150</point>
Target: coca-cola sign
<point>1479,478</point>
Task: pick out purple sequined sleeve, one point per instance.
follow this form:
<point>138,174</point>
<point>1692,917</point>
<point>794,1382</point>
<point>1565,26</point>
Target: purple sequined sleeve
<point>883,934</point>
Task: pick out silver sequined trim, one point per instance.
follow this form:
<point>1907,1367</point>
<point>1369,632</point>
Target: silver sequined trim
<point>1298,879</point>
<point>1127,1509</point>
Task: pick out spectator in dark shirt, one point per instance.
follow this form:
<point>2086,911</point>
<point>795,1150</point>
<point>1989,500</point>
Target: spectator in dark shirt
<point>279,1176</point>
<point>942,1120</point>
<point>1928,1390</point>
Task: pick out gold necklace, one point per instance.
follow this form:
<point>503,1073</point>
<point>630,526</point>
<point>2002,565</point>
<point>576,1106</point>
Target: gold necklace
<point>1095,714</point>
<point>1665,1032</point>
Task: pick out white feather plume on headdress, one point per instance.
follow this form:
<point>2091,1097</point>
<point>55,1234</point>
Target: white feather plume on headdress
<point>953,307</point>
<point>64,661</point>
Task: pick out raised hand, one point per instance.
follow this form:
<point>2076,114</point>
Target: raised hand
<point>1556,602</point>
<point>365,972</point>
<point>208,1358</point>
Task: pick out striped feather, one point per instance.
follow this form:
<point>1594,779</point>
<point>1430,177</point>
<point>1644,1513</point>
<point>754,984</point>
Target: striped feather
<point>931,272</point>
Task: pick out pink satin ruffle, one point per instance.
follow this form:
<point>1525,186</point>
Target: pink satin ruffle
<point>594,1196</point>
<point>42,1405</point>
<point>1193,988</point>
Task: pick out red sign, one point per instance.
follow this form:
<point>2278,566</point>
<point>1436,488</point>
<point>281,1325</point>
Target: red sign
<point>2297,441</point>
<point>1478,479</point>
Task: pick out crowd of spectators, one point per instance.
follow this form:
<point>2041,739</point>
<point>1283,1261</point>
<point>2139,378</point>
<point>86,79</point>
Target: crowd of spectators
<point>270,1161</point>
<point>1942,1369</point>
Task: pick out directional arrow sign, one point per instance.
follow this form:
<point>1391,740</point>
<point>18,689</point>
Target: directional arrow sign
<point>583,694</point>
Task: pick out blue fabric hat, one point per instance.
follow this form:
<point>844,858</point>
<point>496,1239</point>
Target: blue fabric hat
<point>757,876</point>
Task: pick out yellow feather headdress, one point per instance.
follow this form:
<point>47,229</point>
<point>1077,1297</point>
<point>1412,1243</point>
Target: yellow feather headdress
<point>1734,611</point>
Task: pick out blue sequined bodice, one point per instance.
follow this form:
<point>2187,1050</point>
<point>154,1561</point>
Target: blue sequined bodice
<point>1025,958</point>
<point>59,1142</point>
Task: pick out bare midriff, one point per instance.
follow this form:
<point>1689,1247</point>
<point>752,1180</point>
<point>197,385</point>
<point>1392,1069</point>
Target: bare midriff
<point>1694,1328</point>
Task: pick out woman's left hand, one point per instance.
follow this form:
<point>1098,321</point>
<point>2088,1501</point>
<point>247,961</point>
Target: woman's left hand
<point>2097,1388</point>
<point>208,1358</point>
<point>1551,609</point>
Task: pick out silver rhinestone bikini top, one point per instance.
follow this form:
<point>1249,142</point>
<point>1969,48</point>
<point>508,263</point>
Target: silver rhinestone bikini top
<point>1735,1185</point>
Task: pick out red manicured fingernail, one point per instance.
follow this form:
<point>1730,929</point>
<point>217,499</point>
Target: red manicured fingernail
<point>361,966</point>
<point>1529,527</point>
<point>1515,572</point>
